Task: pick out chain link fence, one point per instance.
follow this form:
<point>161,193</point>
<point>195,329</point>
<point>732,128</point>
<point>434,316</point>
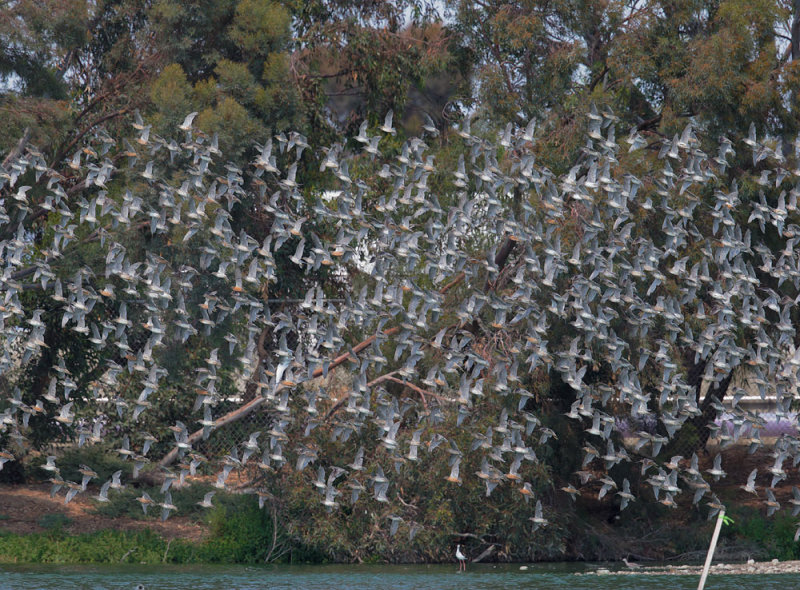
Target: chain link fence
<point>222,441</point>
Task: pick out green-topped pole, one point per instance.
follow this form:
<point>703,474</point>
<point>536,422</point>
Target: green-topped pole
<point>720,520</point>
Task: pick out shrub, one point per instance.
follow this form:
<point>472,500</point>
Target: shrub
<point>101,457</point>
<point>12,472</point>
<point>54,522</point>
<point>122,503</point>
<point>774,535</point>
<point>240,531</point>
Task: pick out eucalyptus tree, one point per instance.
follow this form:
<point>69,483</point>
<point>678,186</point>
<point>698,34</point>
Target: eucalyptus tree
<point>655,63</point>
<point>471,294</point>
<point>635,280</point>
<point>74,71</point>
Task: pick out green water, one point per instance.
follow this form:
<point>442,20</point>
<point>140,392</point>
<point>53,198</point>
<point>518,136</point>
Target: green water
<point>373,577</point>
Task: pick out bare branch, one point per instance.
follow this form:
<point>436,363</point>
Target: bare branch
<point>422,392</point>
<point>19,148</point>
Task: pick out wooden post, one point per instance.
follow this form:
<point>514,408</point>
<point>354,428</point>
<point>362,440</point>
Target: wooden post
<point>711,548</point>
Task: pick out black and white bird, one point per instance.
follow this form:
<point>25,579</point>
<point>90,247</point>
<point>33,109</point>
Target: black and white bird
<point>462,559</point>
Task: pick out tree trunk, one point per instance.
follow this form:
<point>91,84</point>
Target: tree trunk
<point>796,31</point>
<point>700,423</point>
<point>708,414</point>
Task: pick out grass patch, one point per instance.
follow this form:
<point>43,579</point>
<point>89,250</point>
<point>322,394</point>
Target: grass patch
<point>99,547</point>
<point>240,533</point>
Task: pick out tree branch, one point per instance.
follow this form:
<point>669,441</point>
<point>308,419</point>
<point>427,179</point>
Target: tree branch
<point>250,406</point>
<point>67,148</point>
<point>422,392</point>
<point>501,258</point>
<point>18,149</point>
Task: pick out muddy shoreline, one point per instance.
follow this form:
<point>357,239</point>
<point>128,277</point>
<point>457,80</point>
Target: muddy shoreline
<point>735,569</point>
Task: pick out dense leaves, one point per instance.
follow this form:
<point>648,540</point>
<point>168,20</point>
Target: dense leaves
<point>507,264</point>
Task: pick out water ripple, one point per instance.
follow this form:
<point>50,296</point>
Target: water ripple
<point>373,577</point>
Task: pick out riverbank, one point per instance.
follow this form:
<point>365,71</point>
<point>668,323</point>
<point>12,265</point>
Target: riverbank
<point>29,508</point>
<point>36,528</point>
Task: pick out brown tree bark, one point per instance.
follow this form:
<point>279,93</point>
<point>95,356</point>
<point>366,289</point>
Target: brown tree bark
<point>706,406</point>
<point>795,42</point>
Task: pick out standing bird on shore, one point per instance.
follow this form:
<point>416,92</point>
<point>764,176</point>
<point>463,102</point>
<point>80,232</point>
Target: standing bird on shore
<point>462,559</point>
<point>631,564</point>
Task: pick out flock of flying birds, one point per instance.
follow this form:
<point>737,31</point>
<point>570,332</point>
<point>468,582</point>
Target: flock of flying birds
<point>595,267</point>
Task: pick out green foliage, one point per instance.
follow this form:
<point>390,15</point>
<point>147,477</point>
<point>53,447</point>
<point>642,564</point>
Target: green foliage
<point>773,536</point>
<point>101,457</point>
<point>101,547</point>
<point>29,33</point>
<point>238,533</point>
<point>171,91</point>
<point>54,522</point>
<point>122,503</point>
<point>12,472</point>
<point>654,64</point>
<point>241,532</point>
<point>260,27</point>
<point>252,68</point>
<point>687,437</point>
<point>436,508</point>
